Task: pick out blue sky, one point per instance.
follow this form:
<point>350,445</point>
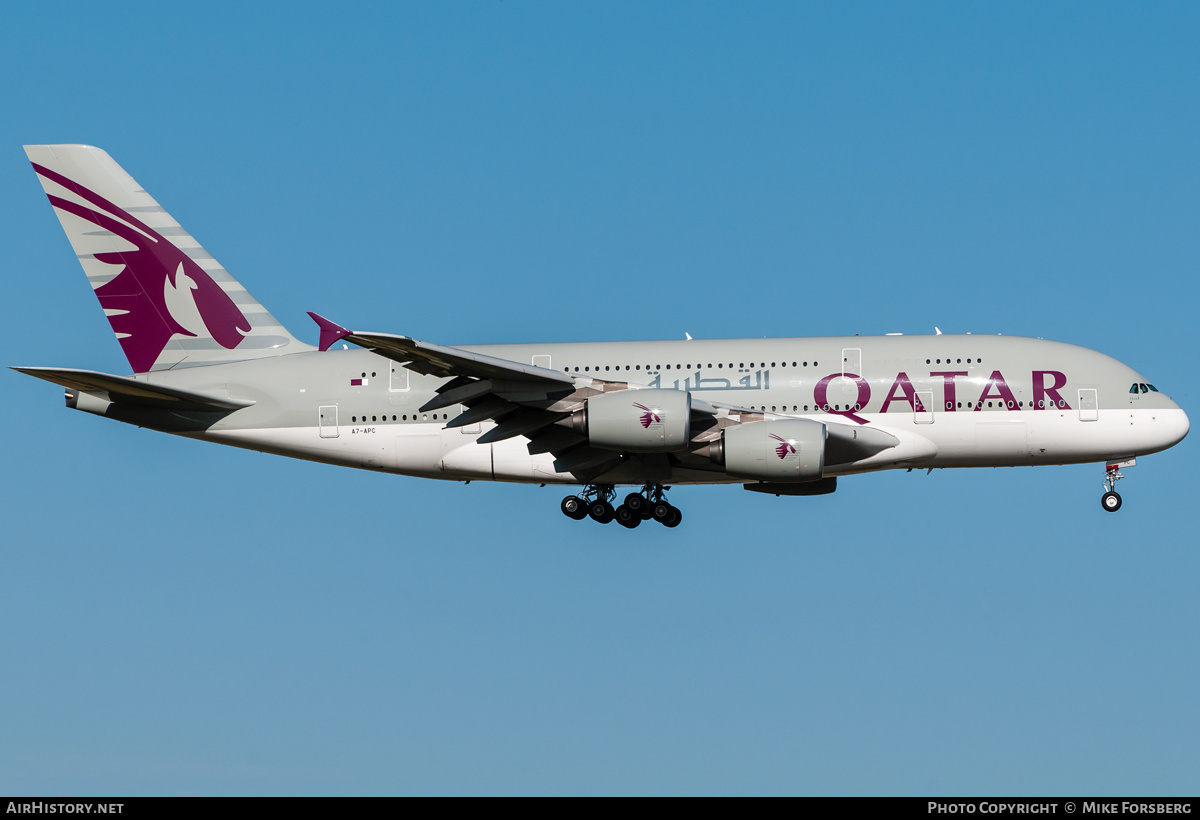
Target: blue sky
<point>181,618</point>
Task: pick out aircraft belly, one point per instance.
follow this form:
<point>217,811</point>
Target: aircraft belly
<point>507,460</point>
<point>308,444</point>
<point>417,449</point>
<point>1049,437</point>
<point>966,439</point>
<point>1002,441</point>
<point>511,461</point>
<point>1115,432</point>
<point>458,457</point>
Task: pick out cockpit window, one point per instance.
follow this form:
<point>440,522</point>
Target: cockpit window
<point>1153,388</point>
<point>1134,389</point>
<point>1142,387</point>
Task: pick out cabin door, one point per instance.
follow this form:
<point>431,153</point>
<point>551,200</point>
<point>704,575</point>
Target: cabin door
<point>923,408</point>
<point>1089,405</point>
<point>852,361</point>
<point>327,420</point>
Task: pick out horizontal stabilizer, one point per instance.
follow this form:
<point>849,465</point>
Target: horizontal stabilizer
<point>124,390</point>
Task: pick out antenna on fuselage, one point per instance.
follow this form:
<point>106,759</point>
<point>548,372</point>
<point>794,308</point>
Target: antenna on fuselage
<point>937,330</point>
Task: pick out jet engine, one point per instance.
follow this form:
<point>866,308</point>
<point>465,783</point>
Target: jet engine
<point>637,421</point>
<point>781,450</point>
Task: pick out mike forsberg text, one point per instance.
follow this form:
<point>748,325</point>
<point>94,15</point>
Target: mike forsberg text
<point>1030,807</point>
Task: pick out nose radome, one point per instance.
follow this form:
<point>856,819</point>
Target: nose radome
<point>1175,426</point>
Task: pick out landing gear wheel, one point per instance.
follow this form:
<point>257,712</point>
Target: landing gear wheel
<point>574,507</point>
<point>601,511</point>
<point>636,502</point>
<point>661,511</point>
<point>676,517</point>
<point>1110,501</point>
<point>628,518</point>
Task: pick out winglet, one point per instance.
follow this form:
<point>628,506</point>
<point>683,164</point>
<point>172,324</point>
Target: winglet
<point>330,332</point>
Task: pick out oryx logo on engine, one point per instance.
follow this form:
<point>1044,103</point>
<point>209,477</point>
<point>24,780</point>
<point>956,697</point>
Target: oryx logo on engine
<point>785,448</point>
<point>648,416</point>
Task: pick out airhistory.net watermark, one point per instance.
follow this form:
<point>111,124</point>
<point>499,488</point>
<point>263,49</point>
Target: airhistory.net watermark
<point>41,807</point>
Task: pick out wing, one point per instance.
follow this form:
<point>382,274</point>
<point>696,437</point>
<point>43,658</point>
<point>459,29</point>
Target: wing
<point>523,400</point>
<point>542,404</point>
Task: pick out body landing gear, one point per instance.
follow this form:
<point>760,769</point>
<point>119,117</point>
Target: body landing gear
<point>574,507</point>
<point>1111,501</point>
<point>596,501</point>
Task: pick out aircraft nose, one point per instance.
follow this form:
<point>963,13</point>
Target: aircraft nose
<point>1176,426</point>
<point>1181,425</point>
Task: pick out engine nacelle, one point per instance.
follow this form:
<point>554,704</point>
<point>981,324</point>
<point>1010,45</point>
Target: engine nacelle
<point>781,450</point>
<point>637,421</point>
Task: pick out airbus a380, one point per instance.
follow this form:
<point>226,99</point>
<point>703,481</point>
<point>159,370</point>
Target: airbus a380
<point>780,416</point>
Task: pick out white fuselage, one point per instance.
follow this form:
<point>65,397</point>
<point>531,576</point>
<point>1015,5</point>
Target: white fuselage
<point>951,401</point>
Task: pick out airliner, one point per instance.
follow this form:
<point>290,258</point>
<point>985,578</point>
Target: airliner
<point>786,417</point>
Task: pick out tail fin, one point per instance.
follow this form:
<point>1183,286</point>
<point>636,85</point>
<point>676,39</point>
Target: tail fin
<point>169,302</point>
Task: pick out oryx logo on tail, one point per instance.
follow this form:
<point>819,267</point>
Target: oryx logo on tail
<point>648,416</point>
<point>160,292</point>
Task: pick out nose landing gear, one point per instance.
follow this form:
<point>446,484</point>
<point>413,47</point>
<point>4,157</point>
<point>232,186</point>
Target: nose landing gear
<point>596,501</point>
<point>1111,501</point>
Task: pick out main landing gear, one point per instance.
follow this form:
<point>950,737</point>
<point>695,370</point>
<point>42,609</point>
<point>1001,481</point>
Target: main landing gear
<point>596,502</point>
<point>1110,500</point>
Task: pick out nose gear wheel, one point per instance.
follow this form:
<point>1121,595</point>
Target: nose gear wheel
<point>1111,501</point>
